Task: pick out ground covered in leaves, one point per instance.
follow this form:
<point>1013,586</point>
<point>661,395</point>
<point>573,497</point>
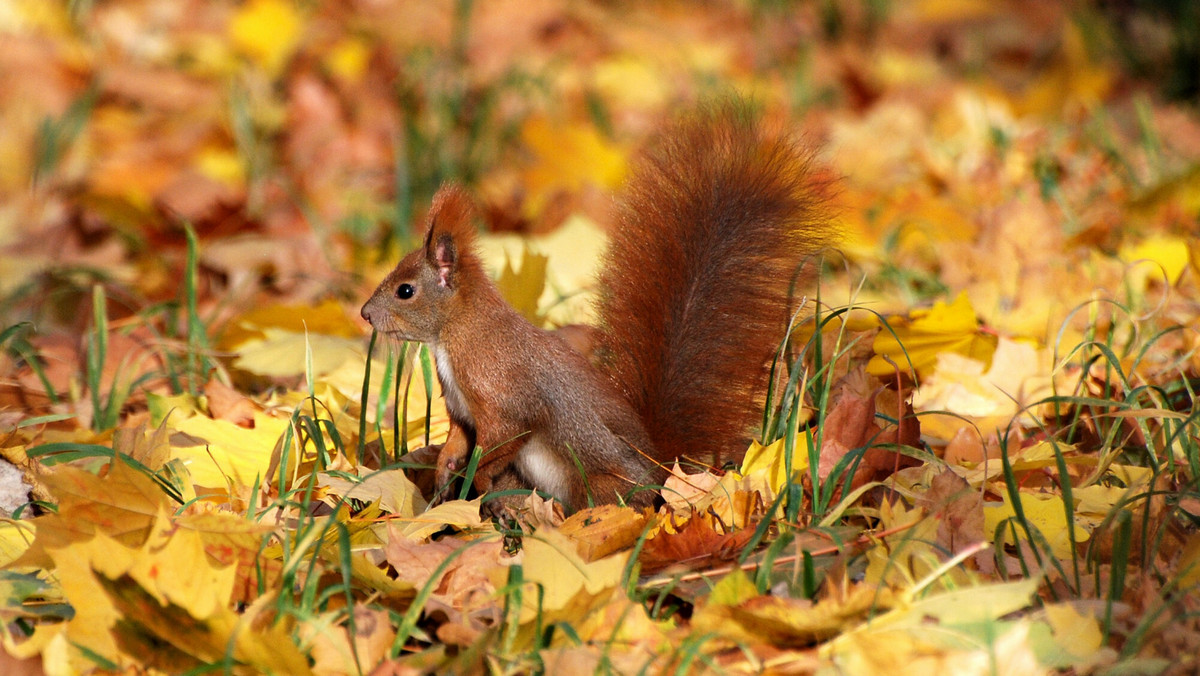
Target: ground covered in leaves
<point>985,459</point>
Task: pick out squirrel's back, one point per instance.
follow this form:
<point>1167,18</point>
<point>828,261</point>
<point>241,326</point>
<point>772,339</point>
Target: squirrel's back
<point>701,277</point>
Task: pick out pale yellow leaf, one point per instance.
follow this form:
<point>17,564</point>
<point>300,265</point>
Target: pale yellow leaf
<point>572,588</point>
<point>462,515</point>
<point>281,353</point>
<point>391,488</point>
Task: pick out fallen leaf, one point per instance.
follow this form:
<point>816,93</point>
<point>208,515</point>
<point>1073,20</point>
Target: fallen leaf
<point>925,334</point>
<point>462,515</point>
<point>603,530</point>
<point>694,546</point>
<point>266,31</point>
<point>391,488</point>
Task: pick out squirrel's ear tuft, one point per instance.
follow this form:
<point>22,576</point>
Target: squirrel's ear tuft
<point>450,233</point>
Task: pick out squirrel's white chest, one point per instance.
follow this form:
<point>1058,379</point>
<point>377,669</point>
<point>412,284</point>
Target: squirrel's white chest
<point>456,403</point>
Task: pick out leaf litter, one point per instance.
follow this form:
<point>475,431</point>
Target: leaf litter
<point>991,457</point>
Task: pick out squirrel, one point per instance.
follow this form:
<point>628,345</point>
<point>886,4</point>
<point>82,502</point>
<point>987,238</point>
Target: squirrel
<point>695,297</point>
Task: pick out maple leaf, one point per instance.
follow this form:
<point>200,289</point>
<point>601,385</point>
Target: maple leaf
<point>925,334</point>
<point>122,505</point>
<point>696,545</point>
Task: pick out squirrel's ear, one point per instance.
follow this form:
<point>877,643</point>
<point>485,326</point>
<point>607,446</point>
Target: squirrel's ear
<point>449,233</point>
<point>444,258</point>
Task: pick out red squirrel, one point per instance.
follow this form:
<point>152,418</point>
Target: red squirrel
<point>694,299</point>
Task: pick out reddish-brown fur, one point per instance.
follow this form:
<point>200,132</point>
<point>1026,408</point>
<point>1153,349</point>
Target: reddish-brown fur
<point>694,301</point>
<point>696,290</point>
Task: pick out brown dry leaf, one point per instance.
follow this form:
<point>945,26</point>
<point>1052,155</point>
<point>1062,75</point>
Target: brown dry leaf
<point>849,422</point>
<point>959,510</point>
<point>226,403</point>
<point>855,420</point>
<point>600,531</point>
<point>696,545</point>
<point>466,584</point>
<point>538,512</point>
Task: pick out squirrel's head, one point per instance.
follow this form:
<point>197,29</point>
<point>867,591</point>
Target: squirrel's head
<point>417,299</point>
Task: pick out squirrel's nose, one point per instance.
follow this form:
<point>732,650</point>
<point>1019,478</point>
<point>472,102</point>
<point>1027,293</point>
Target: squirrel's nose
<point>366,312</point>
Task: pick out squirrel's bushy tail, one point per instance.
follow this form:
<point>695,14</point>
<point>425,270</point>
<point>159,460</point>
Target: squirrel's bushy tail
<point>701,277</point>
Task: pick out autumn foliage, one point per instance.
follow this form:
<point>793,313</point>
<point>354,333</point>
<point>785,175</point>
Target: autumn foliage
<point>981,451</point>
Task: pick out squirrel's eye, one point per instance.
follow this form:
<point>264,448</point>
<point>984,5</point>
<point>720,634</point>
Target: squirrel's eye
<point>405,291</point>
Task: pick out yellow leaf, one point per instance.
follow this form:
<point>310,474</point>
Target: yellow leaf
<point>460,514</point>
<point>631,81</point>
<point>267,32</point>
<point>523,289</point>
<point>1074,79</point>
<point>901,562</point>
<point>221,164</point>
<point>122,505</point>
<point>1044,511</point>
<point>573,252</point>
<point>569,157</point>
<point>217,451</point>
<point>348,59</point>
<point>88,629</point>
<point>733,589</point>
<point>772,460</point>
<point>333,649</point>
<point>1075,633</point>
<point>15,538</point>
<point>1155,259</point>
<point>572,588</point>
<point>1189,563</point>
<point>925,334</point>
<point>940,634</point>
<point>391,488</point>
<point>600,531</point>
<point>173,605</point>
<point>281,354</point>
<point>329,318</point>
<point>954,10</point>
<point>1019,376</point>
